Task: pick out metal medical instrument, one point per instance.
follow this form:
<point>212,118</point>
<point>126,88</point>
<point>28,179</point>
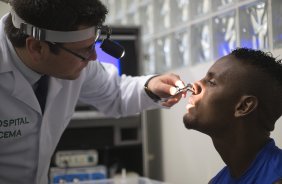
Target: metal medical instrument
<point>188,87</point>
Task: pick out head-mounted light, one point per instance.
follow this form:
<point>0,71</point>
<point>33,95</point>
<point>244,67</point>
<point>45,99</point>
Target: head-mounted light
<point>110,47</point>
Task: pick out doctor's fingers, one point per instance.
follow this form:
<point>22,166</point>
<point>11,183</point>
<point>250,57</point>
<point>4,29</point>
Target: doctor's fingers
<point>171,79</point>
<point>172,101</point>
<point>164,85</point>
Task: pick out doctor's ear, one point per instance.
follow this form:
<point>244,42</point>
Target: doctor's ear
<point>246,105</point>
<point>35,48</point>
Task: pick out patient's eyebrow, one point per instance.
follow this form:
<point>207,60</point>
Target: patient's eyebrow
<point>219,76</point>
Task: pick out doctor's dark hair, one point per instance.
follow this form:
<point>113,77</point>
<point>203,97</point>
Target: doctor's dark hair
<point>265,80</point>
<point>59,15</point>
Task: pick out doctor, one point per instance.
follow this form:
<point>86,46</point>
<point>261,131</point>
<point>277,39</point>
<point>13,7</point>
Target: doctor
<point>52,40</point>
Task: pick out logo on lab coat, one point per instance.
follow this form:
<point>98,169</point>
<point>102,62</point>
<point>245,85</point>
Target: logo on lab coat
<point>12,127</point>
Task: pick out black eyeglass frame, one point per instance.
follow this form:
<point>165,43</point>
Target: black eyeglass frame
<point>68,50</point>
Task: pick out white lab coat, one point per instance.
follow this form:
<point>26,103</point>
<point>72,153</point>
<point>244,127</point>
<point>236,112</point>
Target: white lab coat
<point>27,138</point>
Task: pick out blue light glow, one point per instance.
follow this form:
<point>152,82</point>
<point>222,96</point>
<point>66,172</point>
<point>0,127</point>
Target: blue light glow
<point>106,58</point>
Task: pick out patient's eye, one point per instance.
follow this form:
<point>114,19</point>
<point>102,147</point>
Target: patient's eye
<point>211,82</point>
<point>210,79</point>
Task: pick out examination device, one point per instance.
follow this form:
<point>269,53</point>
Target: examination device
<point>188,87</point>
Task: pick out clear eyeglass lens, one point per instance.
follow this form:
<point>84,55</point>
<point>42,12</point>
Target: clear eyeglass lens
<point>87,54</point>
<point>90,52</point>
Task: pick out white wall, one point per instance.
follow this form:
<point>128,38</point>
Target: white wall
<point>4,8</point>
<point>188,155</point>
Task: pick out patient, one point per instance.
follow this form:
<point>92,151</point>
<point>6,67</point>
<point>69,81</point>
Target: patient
<point>237,104</point>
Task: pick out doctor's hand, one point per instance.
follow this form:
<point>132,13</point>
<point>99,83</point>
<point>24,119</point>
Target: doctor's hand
<point>163,86</point>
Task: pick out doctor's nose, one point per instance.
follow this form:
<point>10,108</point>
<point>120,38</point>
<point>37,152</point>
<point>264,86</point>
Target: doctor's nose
<point>92,55</point>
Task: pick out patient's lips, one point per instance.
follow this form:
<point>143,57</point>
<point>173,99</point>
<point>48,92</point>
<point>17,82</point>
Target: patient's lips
<point>190,104</point>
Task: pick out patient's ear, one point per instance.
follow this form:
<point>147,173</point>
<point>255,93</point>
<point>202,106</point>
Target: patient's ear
<point>246,105</point>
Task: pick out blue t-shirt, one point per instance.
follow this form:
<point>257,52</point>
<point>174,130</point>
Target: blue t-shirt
<point>265,169</point>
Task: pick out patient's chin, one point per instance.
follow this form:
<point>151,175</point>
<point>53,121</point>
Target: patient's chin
<point>188,121</point>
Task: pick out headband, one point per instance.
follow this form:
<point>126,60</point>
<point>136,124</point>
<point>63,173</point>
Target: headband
<point>51,35</point>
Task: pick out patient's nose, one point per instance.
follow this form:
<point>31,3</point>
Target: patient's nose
<point>197,88</point>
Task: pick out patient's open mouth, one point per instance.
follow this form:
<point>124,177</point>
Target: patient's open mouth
<point>190,104</point>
